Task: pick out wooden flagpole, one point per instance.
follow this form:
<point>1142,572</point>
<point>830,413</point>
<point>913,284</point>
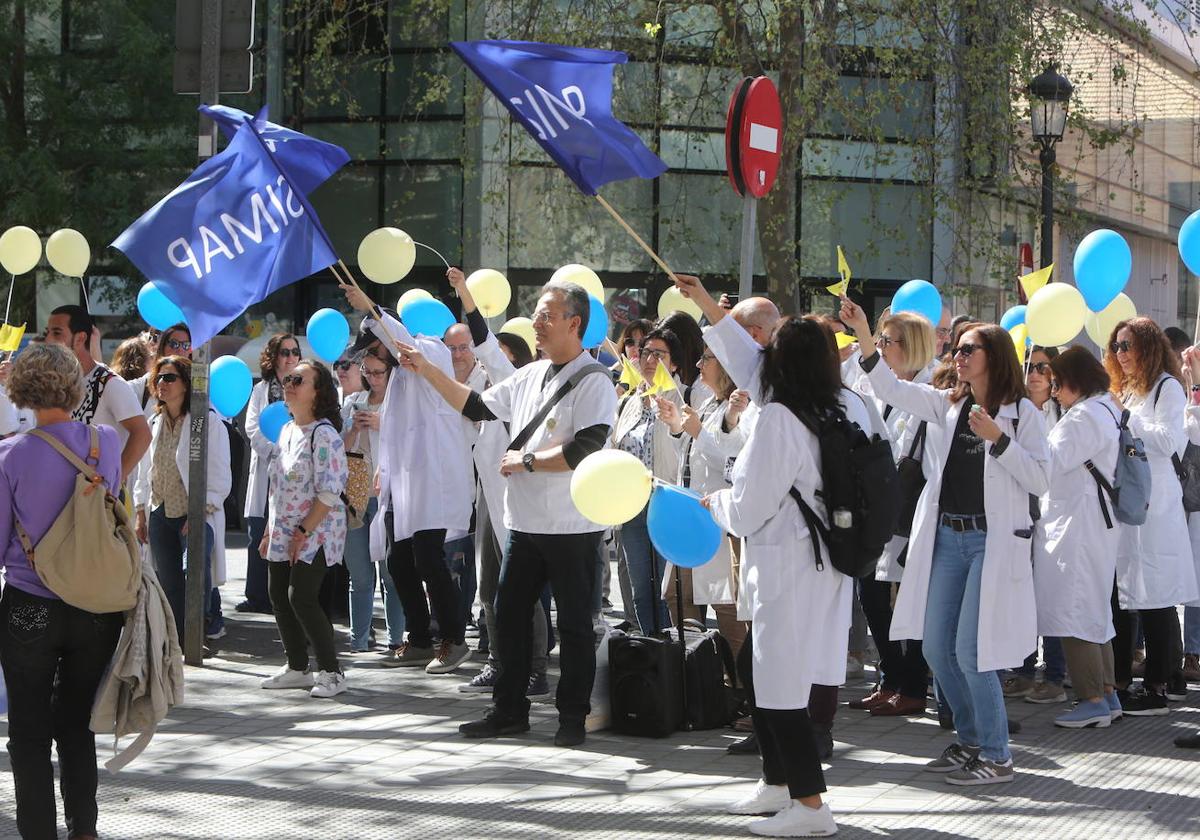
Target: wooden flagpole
<point>637,238</point>
<point>349,280</point>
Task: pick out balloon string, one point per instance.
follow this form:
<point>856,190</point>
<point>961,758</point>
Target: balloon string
<point>86,303</point>
<point>11,281</point>
<point>435,250</point>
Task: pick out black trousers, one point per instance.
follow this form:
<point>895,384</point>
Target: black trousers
<point>1164,643</point>
<point>54,656</point>
<point>417,566</point>
<point>568,563</point>
<point>302,623</point>
<point>903,666</point>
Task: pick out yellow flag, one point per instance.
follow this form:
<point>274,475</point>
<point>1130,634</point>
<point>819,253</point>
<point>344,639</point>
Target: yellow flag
<point>1020,337</point>
<point>839,288</point>
<point>662,382</point>
<point>1035,280</point>
<point>10,337</point>
<point>629,374</point>
<point>844,340</point>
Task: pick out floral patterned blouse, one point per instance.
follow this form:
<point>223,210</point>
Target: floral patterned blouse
<point>311,465</point>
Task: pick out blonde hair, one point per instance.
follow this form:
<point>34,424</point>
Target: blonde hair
<point>46,376</point>
<point>917,338</point>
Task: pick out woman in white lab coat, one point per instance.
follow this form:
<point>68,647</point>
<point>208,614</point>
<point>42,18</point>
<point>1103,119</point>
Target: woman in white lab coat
<point>801,614</point>
<point>968,580</point>
<point>1075,552</point>
<point>1155,568</point>
<point>280,355</point>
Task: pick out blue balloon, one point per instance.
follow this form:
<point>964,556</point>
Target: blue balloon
<point>1014,316</point>
<point>921,297</point>
<point>156,309</point>
<point>229,385</point>
<point>272,420</point>
<point>427,317</point>
<point>1102,265</point>
<point>680,528</point>
<point>597,328</point>
<point>1189,242</point>
<point>328,334</point>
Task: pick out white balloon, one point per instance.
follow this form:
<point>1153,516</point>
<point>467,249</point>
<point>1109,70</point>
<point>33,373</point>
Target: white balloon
<point>411,295</point>
<point>583,276</point>
<point>387,255</point>
<point>672,300</point>
<point>20,249</point>
<point>68,252</point>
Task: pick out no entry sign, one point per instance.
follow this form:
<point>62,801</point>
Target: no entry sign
<point>753,136</point>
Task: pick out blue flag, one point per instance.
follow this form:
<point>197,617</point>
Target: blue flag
<point>309,162</point>
<point>227,237</point>
<point>563,97</point>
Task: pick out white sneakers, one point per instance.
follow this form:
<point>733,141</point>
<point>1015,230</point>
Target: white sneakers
<point>797,820</point>
<point>322,684</point>
<point>287,677</point>
<point>764,799</point>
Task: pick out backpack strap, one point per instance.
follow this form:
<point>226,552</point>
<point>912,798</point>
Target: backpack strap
<point>89,472</point>
<point>525,434</point>
<point>815,525</point>
<point>918,441</point>
<point>1102,488</point>
<point>1176,462</point>
<point>312,454</point>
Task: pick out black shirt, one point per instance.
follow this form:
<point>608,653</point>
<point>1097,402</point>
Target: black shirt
<point>962,477</point>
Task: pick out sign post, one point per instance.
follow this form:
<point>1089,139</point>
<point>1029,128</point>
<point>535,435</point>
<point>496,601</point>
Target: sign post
<point>753,145</point>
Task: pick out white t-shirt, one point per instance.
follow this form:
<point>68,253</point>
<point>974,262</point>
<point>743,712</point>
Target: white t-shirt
<point>540,502</point>
<point>107,401</point>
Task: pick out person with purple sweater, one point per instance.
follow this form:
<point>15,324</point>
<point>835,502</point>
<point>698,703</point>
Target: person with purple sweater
<point>54,655</point>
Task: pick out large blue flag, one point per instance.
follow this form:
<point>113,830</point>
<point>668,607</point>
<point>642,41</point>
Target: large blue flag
<point>563,97</point>
<point>309,162</point>
<point>227,237</point>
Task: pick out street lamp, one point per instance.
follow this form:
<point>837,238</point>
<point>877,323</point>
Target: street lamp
<point>1049,95</point>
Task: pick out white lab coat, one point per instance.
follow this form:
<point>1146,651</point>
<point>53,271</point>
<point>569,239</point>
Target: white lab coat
<point>1191,424</point>
<point>261,453</point>
<point>1007,612</point>
<point>493,442</point>
<point>801,615</point>
<point>220,481</point>
<point>1075,553</point>
<point>1155,566</point>
<point>425,475</point>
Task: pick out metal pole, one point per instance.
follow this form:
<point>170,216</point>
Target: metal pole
<point>1046,158</point>
<point>196,596</point>
<point>274,70</point>
<point>749,237</point>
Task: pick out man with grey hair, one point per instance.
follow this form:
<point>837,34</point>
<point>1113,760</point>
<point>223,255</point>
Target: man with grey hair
<point>559,410</point>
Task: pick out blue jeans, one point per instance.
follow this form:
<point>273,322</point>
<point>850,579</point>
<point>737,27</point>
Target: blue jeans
<point>256,564</point>
<point>951,643</point>
<point>648,606</point>
<point>362,586</point>
<point>168,547</point>
<point>1191,630</point>
<point>1056,661</point>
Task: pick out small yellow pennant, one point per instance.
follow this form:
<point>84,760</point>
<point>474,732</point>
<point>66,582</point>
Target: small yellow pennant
<point>629,374</point>
<point>1035,280</point>
<point>662,382</point>
<point>839,289</point>
<point>844,340</point>
<point>10,337</point>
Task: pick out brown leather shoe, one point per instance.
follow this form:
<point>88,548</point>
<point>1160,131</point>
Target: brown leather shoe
<point>877,698</point>
<point>900,706</point>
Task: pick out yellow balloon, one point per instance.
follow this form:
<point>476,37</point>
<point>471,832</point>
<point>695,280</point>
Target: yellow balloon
<point>1099,325</point>
<point>491,291</point>
<point>1055,314</point>
<point>522,327</point>
<point>611,486</point>
<point>387,255</point>
<point>20,249</point>
<point>68,252</point>
<point>584,276</point>
<point>1020,336</point>
<point>672,300</point>
<point>411,295</point>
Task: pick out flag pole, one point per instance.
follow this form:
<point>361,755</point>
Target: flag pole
<point>637,238</point>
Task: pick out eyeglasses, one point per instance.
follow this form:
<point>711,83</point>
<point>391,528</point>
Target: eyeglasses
<point>179,345</point>
<point>1054,386</point>
<point>288,351</point>
<point>372,373</point>
<point>458,348</point>
<point>965,350</point>
<point>658,354</point>
<point>1120,347</point>
<point>886,341</point>
<point>343,365</point>
<point>631,342</point>
<point>542,318</point>
<point>706,357</point>
<point>167,377</point>
<point>294,380</point>
<point>1040,367</point>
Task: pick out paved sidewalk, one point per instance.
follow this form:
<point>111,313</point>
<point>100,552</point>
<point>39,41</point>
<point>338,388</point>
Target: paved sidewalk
<point>384,760</point>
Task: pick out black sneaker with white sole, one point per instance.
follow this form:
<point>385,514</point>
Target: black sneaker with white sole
<point>1144,703</point>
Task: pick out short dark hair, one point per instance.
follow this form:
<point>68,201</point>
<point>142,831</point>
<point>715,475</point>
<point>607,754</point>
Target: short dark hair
<point>691,344</point>
<point>1178,338</point>
<point>1080,371</point>
<point>668,337</point>
<point>79,319</point>
<point>575,298</point>
<point>516,345</point>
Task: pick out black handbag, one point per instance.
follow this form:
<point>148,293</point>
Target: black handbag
<point>911,482</point>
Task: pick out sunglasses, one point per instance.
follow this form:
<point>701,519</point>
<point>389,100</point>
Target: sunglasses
<point>294,379</point>
<point>179,345</point>
<point>288,351</point>
<point>965,350</point>
<point>884,342</point>
<point>1040,367</point>
<point>343,365</point>
<point>167,377</point>
<point>1054,386</point>
<point>1120,347</point>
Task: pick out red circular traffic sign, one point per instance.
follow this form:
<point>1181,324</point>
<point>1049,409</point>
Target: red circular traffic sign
<point>753,136</point>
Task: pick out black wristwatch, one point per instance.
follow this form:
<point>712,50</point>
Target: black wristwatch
<point>527,460</point>
<point>300,527</point>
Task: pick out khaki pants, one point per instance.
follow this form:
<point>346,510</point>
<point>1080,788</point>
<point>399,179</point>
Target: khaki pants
<point>1090,666</point>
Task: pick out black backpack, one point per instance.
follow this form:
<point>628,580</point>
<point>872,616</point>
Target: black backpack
<point>861,492</point>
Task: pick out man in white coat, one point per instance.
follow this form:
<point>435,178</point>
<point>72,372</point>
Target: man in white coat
<point>425,492</point>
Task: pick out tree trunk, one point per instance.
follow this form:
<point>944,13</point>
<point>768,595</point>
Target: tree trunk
<point>12,88</point>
